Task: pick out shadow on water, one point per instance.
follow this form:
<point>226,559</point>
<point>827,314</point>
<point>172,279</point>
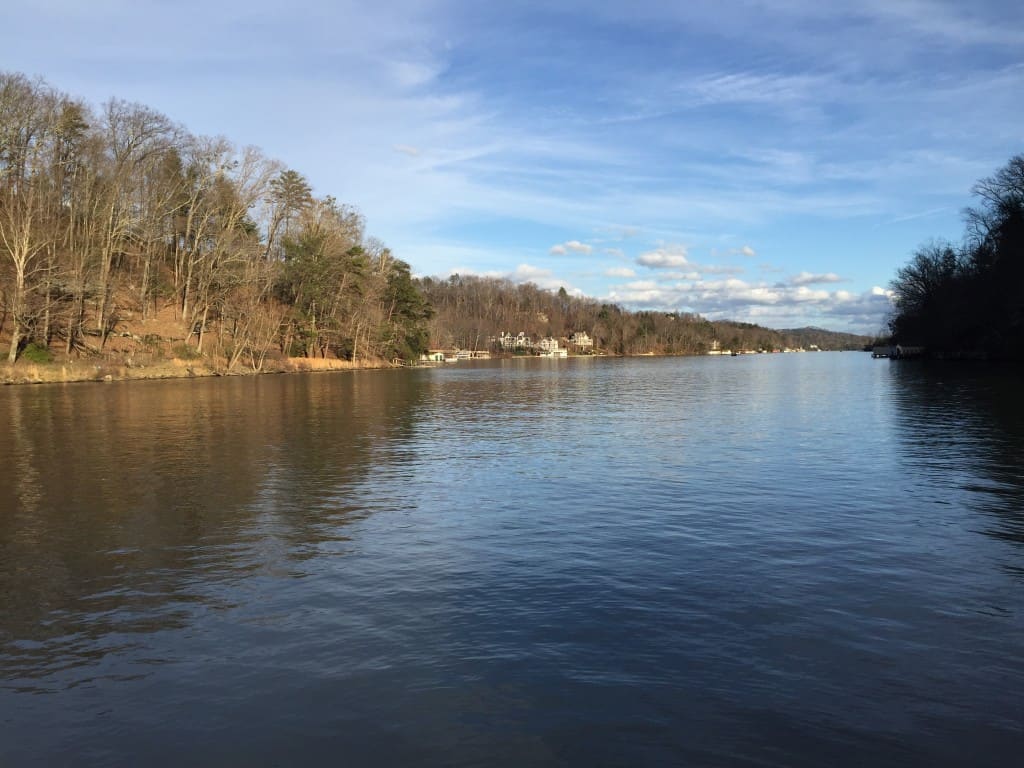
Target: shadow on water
<point>963,428</point>
<point>133,509</point>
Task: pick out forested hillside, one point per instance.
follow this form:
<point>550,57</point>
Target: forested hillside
<point>470,311</point>
<point>120,231</point>
<point>108,216</point>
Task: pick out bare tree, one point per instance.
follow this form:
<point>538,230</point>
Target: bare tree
<point>28,116</point>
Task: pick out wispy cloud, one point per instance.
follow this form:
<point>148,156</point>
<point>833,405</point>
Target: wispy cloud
<point>756,88</point>
<point>669,277</point>
<point>949,24</point>
<point>720,269</point>
<point>808,278</point>
<point>920,215</point>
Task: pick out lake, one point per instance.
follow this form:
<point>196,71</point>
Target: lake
<point>793,560</point>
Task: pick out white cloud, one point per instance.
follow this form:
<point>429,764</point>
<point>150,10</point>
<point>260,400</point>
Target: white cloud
<point>773,305</point>
<point>616,252</point>
<point>672,257</point>
<point>620,272</point>
<point>570,245</point>
<point>406,149</point>
<point>746,250</point>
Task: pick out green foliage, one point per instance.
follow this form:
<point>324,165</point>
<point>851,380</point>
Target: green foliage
<point>407,315</point>
<point>297,348</point>
<point>37,353</point>
<point>345,348</point>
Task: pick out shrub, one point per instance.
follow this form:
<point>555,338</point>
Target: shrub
<point>186,352</point>
<point>37,353</point>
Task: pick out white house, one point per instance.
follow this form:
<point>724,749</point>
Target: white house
<point>520,341</point>
<point>582,340</point>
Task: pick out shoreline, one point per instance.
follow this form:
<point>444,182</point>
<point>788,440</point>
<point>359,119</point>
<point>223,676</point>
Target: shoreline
<point>82,371</point>
<point>79,371</point>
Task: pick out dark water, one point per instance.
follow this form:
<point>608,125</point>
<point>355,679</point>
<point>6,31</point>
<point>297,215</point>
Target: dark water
<point>789,560</point>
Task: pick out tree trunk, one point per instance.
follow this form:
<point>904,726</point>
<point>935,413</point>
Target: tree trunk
<point>18,311</point>
<point>202,328</point>
<point>12,355</point>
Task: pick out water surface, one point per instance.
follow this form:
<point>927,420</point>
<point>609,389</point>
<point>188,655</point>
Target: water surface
<point>787,560</point>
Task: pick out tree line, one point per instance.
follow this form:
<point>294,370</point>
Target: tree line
<point>967,300</point>
<point>119,210</point>
<point>111,215</point>
<point>470,312</point>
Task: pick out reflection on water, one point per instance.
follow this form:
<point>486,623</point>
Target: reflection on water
<point>771,560</point>
<point>138,506</point>
<point>965,426</point>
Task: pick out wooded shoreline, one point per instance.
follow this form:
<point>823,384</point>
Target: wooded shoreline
<point>127,241</point>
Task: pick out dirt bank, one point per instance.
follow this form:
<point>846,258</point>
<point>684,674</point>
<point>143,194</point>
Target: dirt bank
<point>27,372</point>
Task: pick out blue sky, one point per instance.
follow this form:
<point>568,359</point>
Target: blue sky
<point>773,161</point>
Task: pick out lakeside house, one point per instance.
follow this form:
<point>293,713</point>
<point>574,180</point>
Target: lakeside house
<point>548,347</point>
<point>453,356</point>
<point>581,341</point>
<point>716,348</point>
<point>521,340</point>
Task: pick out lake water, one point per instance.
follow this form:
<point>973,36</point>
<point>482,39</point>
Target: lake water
<point>792,560</point>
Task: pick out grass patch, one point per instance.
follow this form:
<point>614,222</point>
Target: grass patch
<point>37,353</point>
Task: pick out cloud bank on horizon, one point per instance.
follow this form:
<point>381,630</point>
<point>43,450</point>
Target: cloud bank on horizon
<point>773,162</point>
